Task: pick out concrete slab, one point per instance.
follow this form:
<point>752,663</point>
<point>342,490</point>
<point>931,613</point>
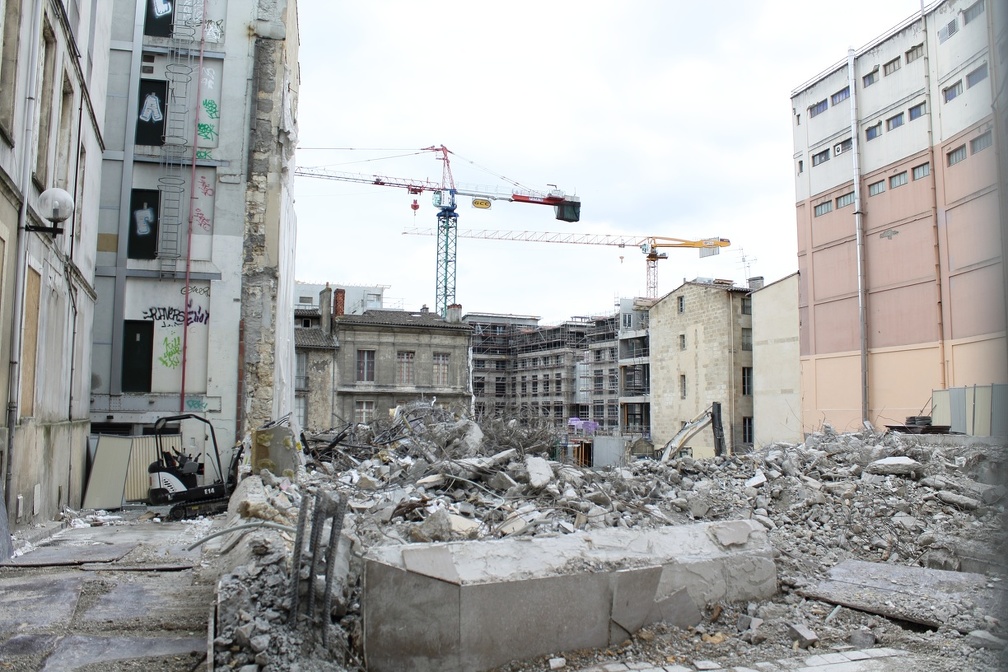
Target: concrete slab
<point>519,598</point>
<point>71,653</point>
<point>55,556</point>
<point>20,597</point>
<point>148,603</point>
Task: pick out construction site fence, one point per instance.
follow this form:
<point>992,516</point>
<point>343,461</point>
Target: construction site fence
<point>977,410</point>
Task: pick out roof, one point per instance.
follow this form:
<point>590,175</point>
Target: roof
<point>314,338</point>
<point>306,312</point>
<point>400,318</point>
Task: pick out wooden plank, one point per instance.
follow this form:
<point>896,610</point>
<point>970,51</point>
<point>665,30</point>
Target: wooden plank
<point>901,592</point>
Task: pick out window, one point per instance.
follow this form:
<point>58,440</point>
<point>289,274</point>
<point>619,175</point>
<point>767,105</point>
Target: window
<point>915,52</point>
<point>364,412</point>
<point>845,200</point>
<point>682,341</point>
<point>158,20</point>
<point>535,386</point>
<point>823,208</point>
<point>141,243</point>
<point>981,142</point>
<point>366,366</point>
<point>917,111</point>
<point>818,108</point>
<point>950,92</point>
<point>948,31</point>
<point>891,67</point>
<point>404,368</point>
<point>921,171</point>
<point>627,320</point>
<point>844,146</point>
<point>301,371</point>
<point>821,157</point>
<point>9,62</point>
<point>898,180</point>
<point>747,430</point>
<point>479,364</point>
<point>440,369</point>
<point>747,381</point>
<point>599,380</point>
<point>479,384</point>
<point>747,305</point>
<point>681,303</point>
<point>870,78</point>
<point>956,155</point>
<point>894,122</point>
<point>876,188</point>
<point>976,76</point>
<point>746,338</point>
<point>524,386</point>
<point>873,132</point>
<point>840,95</point>
<point>613,380</point>
<point>801,166</point>
<point>48,59</point>
<point>557,384</point>
<point>682,385</point>
<point>151,112</point>
<point>500,387</point>
<point>973,11</point>
<point>301,410</point>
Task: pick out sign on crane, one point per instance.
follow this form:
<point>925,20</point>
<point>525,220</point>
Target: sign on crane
<point>649,245</point>
<point>566,207</point>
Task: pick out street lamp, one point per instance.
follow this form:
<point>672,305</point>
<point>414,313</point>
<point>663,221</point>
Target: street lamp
<point>56,205</point>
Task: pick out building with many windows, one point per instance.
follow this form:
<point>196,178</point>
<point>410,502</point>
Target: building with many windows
<point>388,358</point>
<point>899,218</point>
<point>195,243</point>
<point>53,66</point>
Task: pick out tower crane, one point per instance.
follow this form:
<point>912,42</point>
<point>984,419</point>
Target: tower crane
<point>651,246</point>
<point>566,207</point>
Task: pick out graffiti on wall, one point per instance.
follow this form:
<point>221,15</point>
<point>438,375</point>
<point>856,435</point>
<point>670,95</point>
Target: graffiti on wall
<point>170,316</point>
<point>171,354</point>
<point>195,289</point>
<point>196,404</point>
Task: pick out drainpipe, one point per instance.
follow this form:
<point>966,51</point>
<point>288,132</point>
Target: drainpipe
<point>14,373</point>
<point>859,237</point>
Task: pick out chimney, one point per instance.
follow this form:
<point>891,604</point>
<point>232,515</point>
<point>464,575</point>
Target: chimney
<point>340,302</point>
<point>756,282</point>
<point>325,309</point>
<point>454,313</point>
<point>424,309</point>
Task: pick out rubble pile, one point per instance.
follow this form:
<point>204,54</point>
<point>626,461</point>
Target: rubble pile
<point>429,475</point>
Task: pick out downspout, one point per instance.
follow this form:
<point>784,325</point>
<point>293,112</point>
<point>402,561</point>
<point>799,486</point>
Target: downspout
<point>192,205</point>
<point>859,237</point>
<point>731,376</point>
<point>934,201</point>
<point>14,373</point>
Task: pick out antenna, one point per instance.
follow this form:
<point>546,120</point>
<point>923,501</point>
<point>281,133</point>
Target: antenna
<point>746,262</point>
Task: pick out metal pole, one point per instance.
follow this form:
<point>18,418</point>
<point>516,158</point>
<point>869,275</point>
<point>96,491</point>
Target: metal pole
<point>859,238</point>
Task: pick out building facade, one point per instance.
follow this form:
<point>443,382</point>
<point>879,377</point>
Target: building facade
<point>195,252</point>
<point>701,342</point>
<point>634,354</point>
<point>900,237</point>
<point>53,61</point>
<point>388,358</point>
<point>777,408</point>
<point>315,360</point>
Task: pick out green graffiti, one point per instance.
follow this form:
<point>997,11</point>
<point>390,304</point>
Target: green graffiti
<point>172,356</point>
<point>211,108</point>
<point>206,131</point>
<point>204,153</point>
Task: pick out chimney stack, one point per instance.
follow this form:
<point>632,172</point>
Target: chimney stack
<point>325,309</point>
<point>454,313</point>
<point>756,282</point>
<point>340,302</point>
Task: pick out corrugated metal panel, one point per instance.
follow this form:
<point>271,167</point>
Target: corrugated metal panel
<point>957,404</point>
<point>999,404</point>
<point>142,453</point>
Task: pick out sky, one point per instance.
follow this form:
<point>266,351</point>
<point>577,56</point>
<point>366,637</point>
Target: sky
<point>665,118</point>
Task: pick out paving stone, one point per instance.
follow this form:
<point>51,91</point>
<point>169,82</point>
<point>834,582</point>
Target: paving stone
<point>856,655</point>
<point>707,665</point>
<point>615,667</point>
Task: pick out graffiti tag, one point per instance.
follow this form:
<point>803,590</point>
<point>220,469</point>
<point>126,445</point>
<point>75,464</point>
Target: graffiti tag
<point>201,219</point>
<point>171,316</point>
<point>172,356</point>
<point>196,289</point>
<point>204,154</point>
<point>196,404</point>
<point>206,131</point>
<point>205,186</point>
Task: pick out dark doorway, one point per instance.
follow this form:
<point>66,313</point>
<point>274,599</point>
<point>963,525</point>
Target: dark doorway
<point>138,355</point>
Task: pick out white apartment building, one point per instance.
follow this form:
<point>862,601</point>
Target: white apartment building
<point>900,237</point>
<point>195,252</point>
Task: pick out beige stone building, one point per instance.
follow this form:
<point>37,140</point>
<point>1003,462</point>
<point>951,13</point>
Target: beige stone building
<point>899,218</point>
<point>701,352</point>
<point>388,358</point>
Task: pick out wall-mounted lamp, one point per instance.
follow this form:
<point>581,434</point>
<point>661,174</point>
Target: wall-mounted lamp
<point>56,205</point>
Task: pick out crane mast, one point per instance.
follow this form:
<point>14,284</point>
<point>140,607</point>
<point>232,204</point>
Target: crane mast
<point>567,209</point>
<point>649,245</point>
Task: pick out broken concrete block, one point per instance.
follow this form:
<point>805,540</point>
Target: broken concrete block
<point>557,663</point>
<point>861,638</point>
<point>539,471</point>
<point>528,597</point>
<point>981,639</point>
<point>799,632</point>
<point>278,450</point>
<point>757,480</point>
<point>961,501</point>
<point>897,465</point>
<point>501,481</point>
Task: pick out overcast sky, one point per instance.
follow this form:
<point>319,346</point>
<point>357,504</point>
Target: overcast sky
<point>666,118</point>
